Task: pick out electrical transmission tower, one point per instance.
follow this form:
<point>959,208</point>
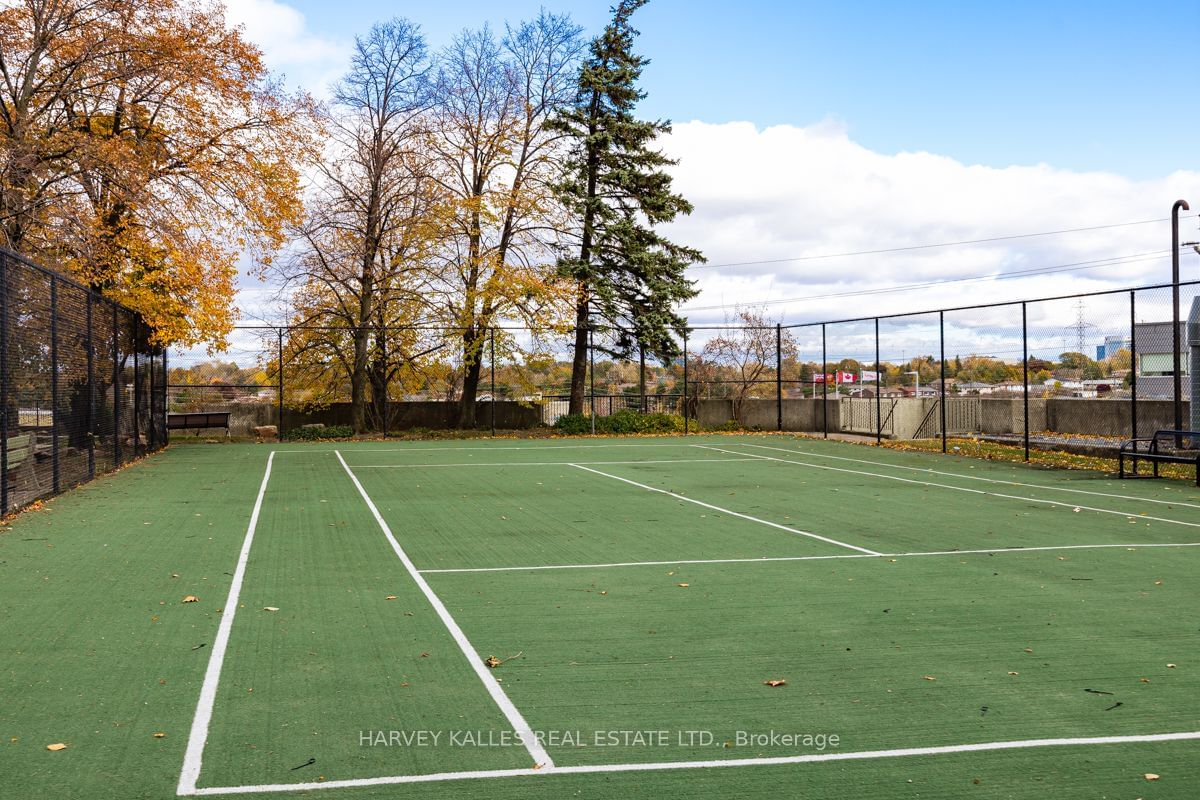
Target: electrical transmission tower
<point>1080,328</point>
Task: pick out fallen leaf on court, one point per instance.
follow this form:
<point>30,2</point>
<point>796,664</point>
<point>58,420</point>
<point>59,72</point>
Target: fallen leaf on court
<point>682,585</point>
<point>1143,680</point>
<point>270,608</point>
<point>492,661</point>
<point>1170,666</point>
<point>1028,649</point>
<point>1150,776</point>
<point>424,655</point>
<point>408,613</point>
<point>537,766</point>
<point>390,597</point>
<point>191,598</point>
<point>56,747</point>
<point>160,735</point>
<point>1076,509</point>
<point>1014,673</point>
<point>929,677</point>
<point>1158,583</point>
<point>775,682</point>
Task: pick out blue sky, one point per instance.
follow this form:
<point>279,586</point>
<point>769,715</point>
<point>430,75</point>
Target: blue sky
<point>1082,86</point>
<point>806,129</point>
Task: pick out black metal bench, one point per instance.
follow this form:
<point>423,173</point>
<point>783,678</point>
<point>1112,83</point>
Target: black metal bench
<point>198,421</point>
<point>1164,447</point>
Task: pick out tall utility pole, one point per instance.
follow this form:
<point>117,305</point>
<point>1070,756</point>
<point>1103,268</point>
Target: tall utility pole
<point>1180,205</point>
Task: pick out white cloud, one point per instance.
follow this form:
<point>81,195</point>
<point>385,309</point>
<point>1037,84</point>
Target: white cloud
<point>786,191</point>
<point>307,59</point>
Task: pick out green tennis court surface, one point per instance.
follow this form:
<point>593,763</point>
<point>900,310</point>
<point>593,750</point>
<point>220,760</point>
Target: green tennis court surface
<point>946,627</point>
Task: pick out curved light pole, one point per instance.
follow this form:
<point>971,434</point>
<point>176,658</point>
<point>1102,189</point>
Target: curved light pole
<point>1180,205</point>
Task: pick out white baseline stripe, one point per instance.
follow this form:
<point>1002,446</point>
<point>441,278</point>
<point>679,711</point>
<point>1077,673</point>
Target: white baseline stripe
<point>811,454</point>
<point>787,528</point>
<point>535,748</point>
<point>212,676</point>
<point>1023,498</point>
<point>720,763</point>
<point>764,559</point>
<point>748,457</point>
<point>498,447</point>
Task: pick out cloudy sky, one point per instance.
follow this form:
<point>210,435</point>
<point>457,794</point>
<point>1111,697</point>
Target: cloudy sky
<point>826,145</point>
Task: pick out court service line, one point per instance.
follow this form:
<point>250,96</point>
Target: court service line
<point>194,754</point>
<point>764,559</point>
<point>747,457</point>
<point>811,454</point>
<point>522,728</point>
<point>787,528</point>
<point>655,766</point>
<point>1036,500</point>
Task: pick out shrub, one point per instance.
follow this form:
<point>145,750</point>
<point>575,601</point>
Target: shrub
<point>623,421</point>
<point>317,434</point>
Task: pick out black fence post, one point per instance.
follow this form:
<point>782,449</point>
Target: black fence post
<point>592,376</point>
<point>54,410</point>
<point>116,384</point>
<point>162,420</point>
<point>152,433</point>
<point>492,369</point>
<point>4,402</point>
<point>878,390</point>
<point>1025,372</point>
<point>137,389</point>
<point>942,337</point>
<point>824,385</point>
<point>779,376</point>
<point>279,400</point>
<point>685,384</point>
<point>641,378</point>
<point>91,384</point>
<point>1133,366</point>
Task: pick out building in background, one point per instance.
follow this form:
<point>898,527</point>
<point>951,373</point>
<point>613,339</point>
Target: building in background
<point>1111,345</point>
<point>1155,360</point>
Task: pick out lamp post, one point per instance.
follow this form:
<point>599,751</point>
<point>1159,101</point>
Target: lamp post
<point>1180,205</point>
<point>916,383</point>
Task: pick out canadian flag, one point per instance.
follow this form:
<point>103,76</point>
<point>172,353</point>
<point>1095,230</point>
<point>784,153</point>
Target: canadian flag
<point>845,377</point>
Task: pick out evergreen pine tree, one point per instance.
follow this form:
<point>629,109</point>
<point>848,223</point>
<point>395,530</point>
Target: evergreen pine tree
<point>629,277</point>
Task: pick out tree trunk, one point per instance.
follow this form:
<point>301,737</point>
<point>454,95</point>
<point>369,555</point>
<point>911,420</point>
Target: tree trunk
<point>579,361</point>
<point>358,382</point>
<point>472,365</point>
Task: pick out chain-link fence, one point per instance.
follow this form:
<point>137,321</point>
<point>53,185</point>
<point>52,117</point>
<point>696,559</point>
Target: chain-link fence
<point>82,391</point>
<point>1086,370</point>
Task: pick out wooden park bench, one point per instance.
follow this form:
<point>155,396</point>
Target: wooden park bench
<point>198,421</point>
<point>1164,447</point>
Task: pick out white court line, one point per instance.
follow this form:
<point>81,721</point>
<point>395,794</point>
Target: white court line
<point>655,766</point>
<point>194,754</point>
<point>522,728</point>
<point>787,528</point>
<point>811,454</point>
<point>764,559</point>
<point>553,463</point>
<point>1035,500</point>
<point>488,449</point>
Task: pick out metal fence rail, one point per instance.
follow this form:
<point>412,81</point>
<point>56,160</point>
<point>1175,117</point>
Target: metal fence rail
<point>1086,370</point>
<point>82,391</point>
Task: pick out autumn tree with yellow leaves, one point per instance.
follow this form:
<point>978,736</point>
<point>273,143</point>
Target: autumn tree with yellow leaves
<point>144,148</point>
<point>496,161</point>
